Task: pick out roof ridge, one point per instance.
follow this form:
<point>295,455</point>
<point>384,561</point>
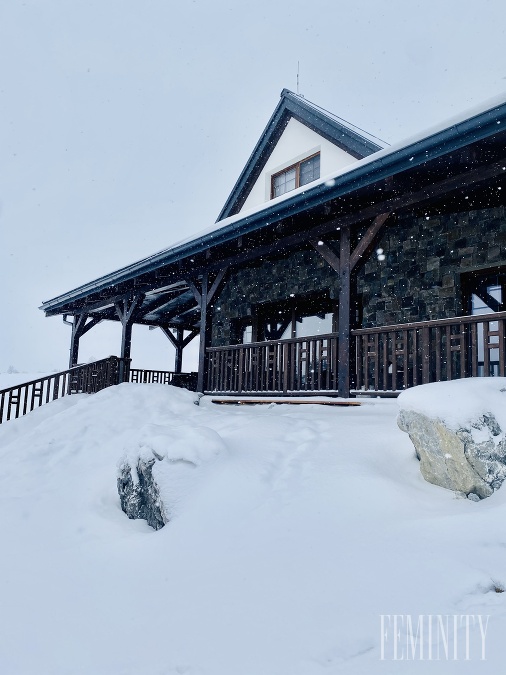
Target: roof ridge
<point>332,115</point>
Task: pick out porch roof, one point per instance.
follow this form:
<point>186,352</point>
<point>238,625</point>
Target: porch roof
<point>425,158</point>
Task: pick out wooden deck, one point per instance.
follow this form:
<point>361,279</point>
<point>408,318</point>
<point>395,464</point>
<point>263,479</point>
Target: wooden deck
<point>281,401</point>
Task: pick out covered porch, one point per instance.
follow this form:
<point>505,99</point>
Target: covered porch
<point>436,206</point>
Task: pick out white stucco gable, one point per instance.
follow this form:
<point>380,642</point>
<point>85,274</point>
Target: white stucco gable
<point>297,130</point>
<point>295,144</point>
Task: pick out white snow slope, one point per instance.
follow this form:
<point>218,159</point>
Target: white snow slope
<point>294,535</point>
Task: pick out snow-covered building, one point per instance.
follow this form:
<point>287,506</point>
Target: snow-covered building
<point>336,265</point>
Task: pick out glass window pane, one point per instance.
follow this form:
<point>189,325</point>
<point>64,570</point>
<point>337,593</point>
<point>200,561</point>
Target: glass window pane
<point>313,325</point>
<point>290,184</point>
<point>310,170</point>
<point>247,334</point>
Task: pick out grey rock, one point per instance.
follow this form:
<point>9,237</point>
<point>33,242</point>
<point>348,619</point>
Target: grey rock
<point>470,459</point>
<point>141,498</point>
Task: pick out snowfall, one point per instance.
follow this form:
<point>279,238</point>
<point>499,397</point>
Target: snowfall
<point>300,539</point>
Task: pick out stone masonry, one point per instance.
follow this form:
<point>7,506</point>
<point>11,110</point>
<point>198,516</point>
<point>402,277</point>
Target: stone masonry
<point>420,278</point>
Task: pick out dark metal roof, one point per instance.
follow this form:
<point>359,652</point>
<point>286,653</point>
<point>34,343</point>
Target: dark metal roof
<point>367,172</point>
<point>352,140</point>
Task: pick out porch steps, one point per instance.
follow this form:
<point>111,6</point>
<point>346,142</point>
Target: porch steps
<point>277,401</point>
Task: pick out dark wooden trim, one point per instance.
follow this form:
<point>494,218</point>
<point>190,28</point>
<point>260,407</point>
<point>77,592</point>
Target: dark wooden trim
<point>178,361</point>
<point>368,238</point>
<point>326,253</point>
<point>168,334</point>
<point>343,370</point>
<point>296,166</point>
<point>193,334</point>
<point>434,322</point>
<point>179,342</point>
<point>204,316</point>
<point>80,326</point>
<point>220,277</point>
<point>192,285</point>
<point>126,314</point>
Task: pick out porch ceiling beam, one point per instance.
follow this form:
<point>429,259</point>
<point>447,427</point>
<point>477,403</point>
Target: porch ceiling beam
<point>326,252</point>
<point>185,307</point>
<point>193,333</point>
<point>368,238</point>
<point>192,284</point>
<point>168,333</point>
<point>105,303</point>
<point>460,182</point>
<point>127,308</point>
<point>179,343</point>
<point>94,321</point>
<point>216,284</point>
<point>144,310</point>
<point>211,291</point>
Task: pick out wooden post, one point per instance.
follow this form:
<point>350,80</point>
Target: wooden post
<point>125,309</point>
<point>343,368</point>
<point>74,344</point>
<point>80,326</point>
<point>178,363</point>
<point>204,331</point>
<point>204,299</point>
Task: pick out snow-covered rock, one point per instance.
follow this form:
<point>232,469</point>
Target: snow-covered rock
<point>140,498</point>
<point>158,468</point>
<point>457,436</point>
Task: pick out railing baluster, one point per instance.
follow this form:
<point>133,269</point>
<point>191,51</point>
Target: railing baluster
<point>425,355</point>
<point>500,330</point>
<point>462,346</point>
<point>414,352</point>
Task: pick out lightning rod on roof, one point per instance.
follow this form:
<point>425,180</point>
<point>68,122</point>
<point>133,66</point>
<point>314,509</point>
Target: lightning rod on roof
<point>298,70</point>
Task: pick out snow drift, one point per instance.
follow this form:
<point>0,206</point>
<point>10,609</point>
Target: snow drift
<point>287,541</point>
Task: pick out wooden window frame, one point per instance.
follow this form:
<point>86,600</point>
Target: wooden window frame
<point>295,166</point>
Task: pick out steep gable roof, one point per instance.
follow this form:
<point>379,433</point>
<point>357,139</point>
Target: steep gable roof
<point>354,141</point>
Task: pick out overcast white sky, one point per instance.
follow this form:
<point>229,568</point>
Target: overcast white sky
<point>125,123</point>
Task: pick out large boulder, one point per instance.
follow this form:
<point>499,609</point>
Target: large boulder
<point>157,471</point>
<point>457,436</point>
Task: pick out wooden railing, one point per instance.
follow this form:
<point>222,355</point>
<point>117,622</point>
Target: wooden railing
<point>392,358</point>
<point>88,379</point>
<point>185,380</point>
<point>306,364</point>
<point>385,359</point>
<point>151,376</point>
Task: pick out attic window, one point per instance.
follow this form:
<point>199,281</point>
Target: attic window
<point>295,176</point>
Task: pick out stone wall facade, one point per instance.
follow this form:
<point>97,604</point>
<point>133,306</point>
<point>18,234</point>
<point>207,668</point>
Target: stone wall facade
<point>425,258</point>
<point>420,278</point>
<point>299,274</point>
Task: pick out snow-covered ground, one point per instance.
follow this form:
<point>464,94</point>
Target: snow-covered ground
<point>288,542</point>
